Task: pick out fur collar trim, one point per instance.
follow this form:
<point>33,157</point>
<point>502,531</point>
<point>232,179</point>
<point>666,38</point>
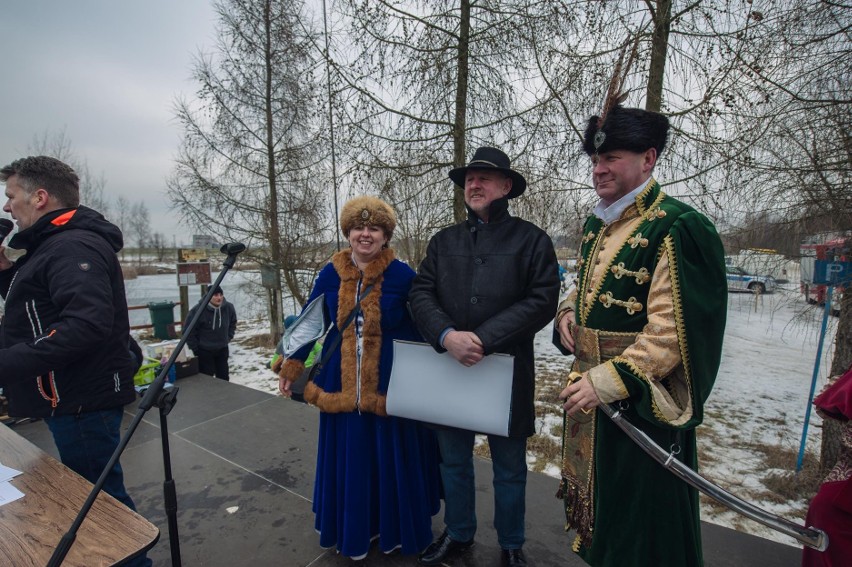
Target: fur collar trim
<point>371,400</point>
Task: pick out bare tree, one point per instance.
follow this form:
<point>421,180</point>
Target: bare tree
<point>804,158</point>
<point>122,217</point>
<point>160,246</point>
<point>139,228</point>
<point>426,83</point>
<point>250,166</point>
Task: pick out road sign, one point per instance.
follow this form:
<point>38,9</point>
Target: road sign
<point>193,273</point>
<point>193,255</point>
<point>832,273</point>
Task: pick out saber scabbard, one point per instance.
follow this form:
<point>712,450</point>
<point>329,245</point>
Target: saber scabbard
<point>812,537</point>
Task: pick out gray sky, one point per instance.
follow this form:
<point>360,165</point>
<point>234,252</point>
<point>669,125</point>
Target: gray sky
<point>107,73</point>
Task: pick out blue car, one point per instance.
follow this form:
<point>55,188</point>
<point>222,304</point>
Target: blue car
<point>740,280</point>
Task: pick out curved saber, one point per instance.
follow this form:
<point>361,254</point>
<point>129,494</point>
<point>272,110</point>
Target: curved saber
<point>812,537</point>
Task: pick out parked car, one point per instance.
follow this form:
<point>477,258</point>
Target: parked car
<point>740,280</point>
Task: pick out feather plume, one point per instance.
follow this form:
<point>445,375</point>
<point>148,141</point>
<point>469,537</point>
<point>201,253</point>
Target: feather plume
<point>614,94</point>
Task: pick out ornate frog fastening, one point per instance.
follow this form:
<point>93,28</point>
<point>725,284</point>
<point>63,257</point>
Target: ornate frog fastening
<point>642,275</point>
<point>655,213</point>
<point>589,237</point>
<point>631,305</point>
<point>637,240</point>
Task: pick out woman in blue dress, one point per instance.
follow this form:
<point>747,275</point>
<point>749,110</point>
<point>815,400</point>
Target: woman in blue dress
<point>377,476</point>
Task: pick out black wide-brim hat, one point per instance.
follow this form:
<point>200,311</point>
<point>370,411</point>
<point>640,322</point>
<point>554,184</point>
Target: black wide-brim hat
<point>491,158</point>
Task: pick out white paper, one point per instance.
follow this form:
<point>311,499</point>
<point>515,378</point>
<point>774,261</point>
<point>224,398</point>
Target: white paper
<point>9,493</point>
<point>435,388</point>
<point>186,279</point>
<point>7,473</point>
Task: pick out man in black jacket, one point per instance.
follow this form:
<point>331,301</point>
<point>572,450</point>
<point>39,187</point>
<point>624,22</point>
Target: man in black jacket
<point>210,337</point>
<point>487,285</point>
<point>64,338</point>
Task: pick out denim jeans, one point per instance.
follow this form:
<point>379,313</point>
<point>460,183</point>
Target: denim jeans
<point>86,442</point>
<point>509,463</point>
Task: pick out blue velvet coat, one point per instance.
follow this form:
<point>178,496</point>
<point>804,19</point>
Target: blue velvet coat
<point>376,474</point>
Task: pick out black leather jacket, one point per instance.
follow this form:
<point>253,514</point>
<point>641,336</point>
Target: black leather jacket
<point>500,281</point>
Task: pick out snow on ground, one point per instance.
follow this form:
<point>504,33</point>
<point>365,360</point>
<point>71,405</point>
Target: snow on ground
<point>758,403</point>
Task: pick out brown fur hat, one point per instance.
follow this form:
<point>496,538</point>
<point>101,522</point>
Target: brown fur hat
<point>367,210</point>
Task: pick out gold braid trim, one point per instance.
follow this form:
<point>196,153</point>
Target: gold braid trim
<point>642,376</point>
<point>677,304</point>
<point>607,383</point>
<point>371,334</point>
<point>640,198</point>
<point>630,365</point>
<point>586,308</point>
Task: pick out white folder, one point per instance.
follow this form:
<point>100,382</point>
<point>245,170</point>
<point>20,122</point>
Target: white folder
<point>435,388</point>
<point>307,328</point>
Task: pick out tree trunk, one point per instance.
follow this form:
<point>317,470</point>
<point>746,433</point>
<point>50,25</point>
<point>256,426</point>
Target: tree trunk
<point>275,318</point>
<point>659,52</point>
<point>461,106</point>
<point>831,429</point>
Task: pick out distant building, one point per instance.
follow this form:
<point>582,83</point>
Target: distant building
<point>204,241</point>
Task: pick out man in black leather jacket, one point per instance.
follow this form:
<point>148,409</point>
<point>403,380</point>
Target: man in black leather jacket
<point>64,339</point>
<point>487,285</point>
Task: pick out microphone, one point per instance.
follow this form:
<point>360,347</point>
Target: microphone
<point>232,248</point>
<point>6,227</point>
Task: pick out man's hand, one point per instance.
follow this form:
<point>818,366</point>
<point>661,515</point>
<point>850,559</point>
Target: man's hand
<point>564,329</point>
<point>5,263</point>
<point>464,346</point>
<point>579,396</point>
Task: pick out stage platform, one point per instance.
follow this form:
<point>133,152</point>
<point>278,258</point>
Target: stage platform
<point>243,462</point>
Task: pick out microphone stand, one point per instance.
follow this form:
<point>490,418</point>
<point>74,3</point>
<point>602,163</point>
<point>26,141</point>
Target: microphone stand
<point>165,400</point>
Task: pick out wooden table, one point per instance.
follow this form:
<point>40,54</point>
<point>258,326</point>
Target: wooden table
<point>31,527</point>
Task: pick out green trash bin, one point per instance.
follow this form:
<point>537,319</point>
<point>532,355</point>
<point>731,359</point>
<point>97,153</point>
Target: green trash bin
<point>162,315</point>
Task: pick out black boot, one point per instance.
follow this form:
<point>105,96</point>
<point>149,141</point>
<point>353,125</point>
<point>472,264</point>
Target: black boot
<point>514,558</point>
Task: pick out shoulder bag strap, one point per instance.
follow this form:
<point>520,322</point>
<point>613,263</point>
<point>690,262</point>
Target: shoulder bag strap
<point>333,347</point>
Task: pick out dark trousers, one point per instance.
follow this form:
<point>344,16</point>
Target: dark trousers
<point>86,442</point>
<point>214,362</point>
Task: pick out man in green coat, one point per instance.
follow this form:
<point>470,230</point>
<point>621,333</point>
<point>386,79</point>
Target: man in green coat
<point>645,324</point>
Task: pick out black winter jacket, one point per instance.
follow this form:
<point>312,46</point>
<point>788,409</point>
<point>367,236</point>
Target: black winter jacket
<point>65,331</point>
<point>498,280</point>
<point>215,327</point>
